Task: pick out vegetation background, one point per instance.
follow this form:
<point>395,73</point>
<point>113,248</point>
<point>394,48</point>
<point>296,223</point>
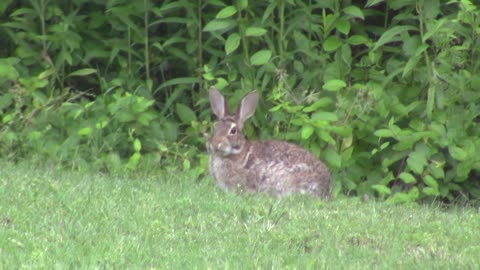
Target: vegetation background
<point>386,92</point>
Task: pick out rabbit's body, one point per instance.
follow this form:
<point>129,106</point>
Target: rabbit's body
<point>276,167</point>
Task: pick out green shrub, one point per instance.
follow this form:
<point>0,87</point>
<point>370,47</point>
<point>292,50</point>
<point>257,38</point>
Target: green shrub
<point>384,92</point>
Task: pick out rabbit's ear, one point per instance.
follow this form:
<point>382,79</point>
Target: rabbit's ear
<point>218,103</point>
<point>246,109</point>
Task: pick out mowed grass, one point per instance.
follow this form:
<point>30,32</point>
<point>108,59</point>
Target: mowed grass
<point>52,219</point>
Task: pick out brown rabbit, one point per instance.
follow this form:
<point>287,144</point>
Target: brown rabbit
<point>276,167</point>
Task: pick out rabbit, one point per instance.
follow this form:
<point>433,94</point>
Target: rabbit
<point>274,167</point>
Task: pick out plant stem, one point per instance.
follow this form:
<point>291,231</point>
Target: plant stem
<point>129,44</point>
<point>281,36</point>
<point>147,52</point>
<point>431,75</point>
<point>200,43</point>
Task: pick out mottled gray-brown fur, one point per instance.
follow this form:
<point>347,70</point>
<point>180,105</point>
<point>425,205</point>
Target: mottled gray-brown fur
<point>275,167</point>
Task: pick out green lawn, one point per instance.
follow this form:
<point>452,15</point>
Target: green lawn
<point>53,219</point>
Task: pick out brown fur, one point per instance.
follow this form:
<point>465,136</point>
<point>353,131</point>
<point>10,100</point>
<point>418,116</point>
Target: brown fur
<point>276,167</point>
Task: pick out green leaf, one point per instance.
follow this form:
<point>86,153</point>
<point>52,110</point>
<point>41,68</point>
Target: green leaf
<point>219,25</point>
<point>412,62</point>
<point>458,153</point>
<point>162,148</point>
<point>185,114</point>
<point>170,6</point>
<point>146,118</point>
<point>325,116</point>
<point>307,131</point>
<point>133,161</point>
<point>7,71</point>
<point>327,137</point>
<point>431,8</point>
<point>22,11</point>
<point>417,160</point>
<point>255,31</point>
<point>391,35</point>
<point>343,26</point>
<point>384,145</point>
<point>82,72</point>
<point>276,108</point>
<point>333,158</point>
<point>176,81</point>
<point>9,117</point>
<point>411,45</point>
<point>383,133</point>
<point>232,43</point>
<point>358,40</point>
<point>208,76</point>
<point>302,43</point>
<point>431,182</point>
<point>430,100</point>
<point>221,83</point>
<point>373,2</point>
<point>354,11</point>
<point>430,191</point>
<point>401,197</point>
<point>462,170</point>
<point>439,24</point>
<point>186,164</point>
<point>6,100</point>
<point>332,43</point>
<point>85,131</point>
<point>141,104</point>
<point>137,145</point>
<point>243,4</point>
<point>414,193</point>
<point>408,178</point>
<point>260,57</point>
<point>226,12</point>
<point>298,65</point>
<point>40,97</point>
<point>269,10</point>
<point>101,124</point>
<point>384,190</point>
<point>322,102</point>
<point>334,85</point>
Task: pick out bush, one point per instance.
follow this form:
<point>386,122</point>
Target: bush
<point>384,92</point>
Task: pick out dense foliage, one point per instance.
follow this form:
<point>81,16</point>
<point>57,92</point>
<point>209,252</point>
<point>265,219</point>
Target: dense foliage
<point>386,92</point>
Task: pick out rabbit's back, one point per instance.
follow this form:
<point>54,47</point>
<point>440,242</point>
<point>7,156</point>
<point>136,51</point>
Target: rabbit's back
<point>283,168</point>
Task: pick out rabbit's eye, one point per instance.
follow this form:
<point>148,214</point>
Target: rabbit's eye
<point>233,130</point>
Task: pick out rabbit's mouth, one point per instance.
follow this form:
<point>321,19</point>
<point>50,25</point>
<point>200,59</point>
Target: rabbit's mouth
<point>229,150</point>
<point>225,150</point>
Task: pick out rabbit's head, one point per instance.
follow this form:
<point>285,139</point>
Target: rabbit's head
<point>227,138</point>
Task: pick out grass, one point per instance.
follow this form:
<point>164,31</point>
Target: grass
<point>69,220</point>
